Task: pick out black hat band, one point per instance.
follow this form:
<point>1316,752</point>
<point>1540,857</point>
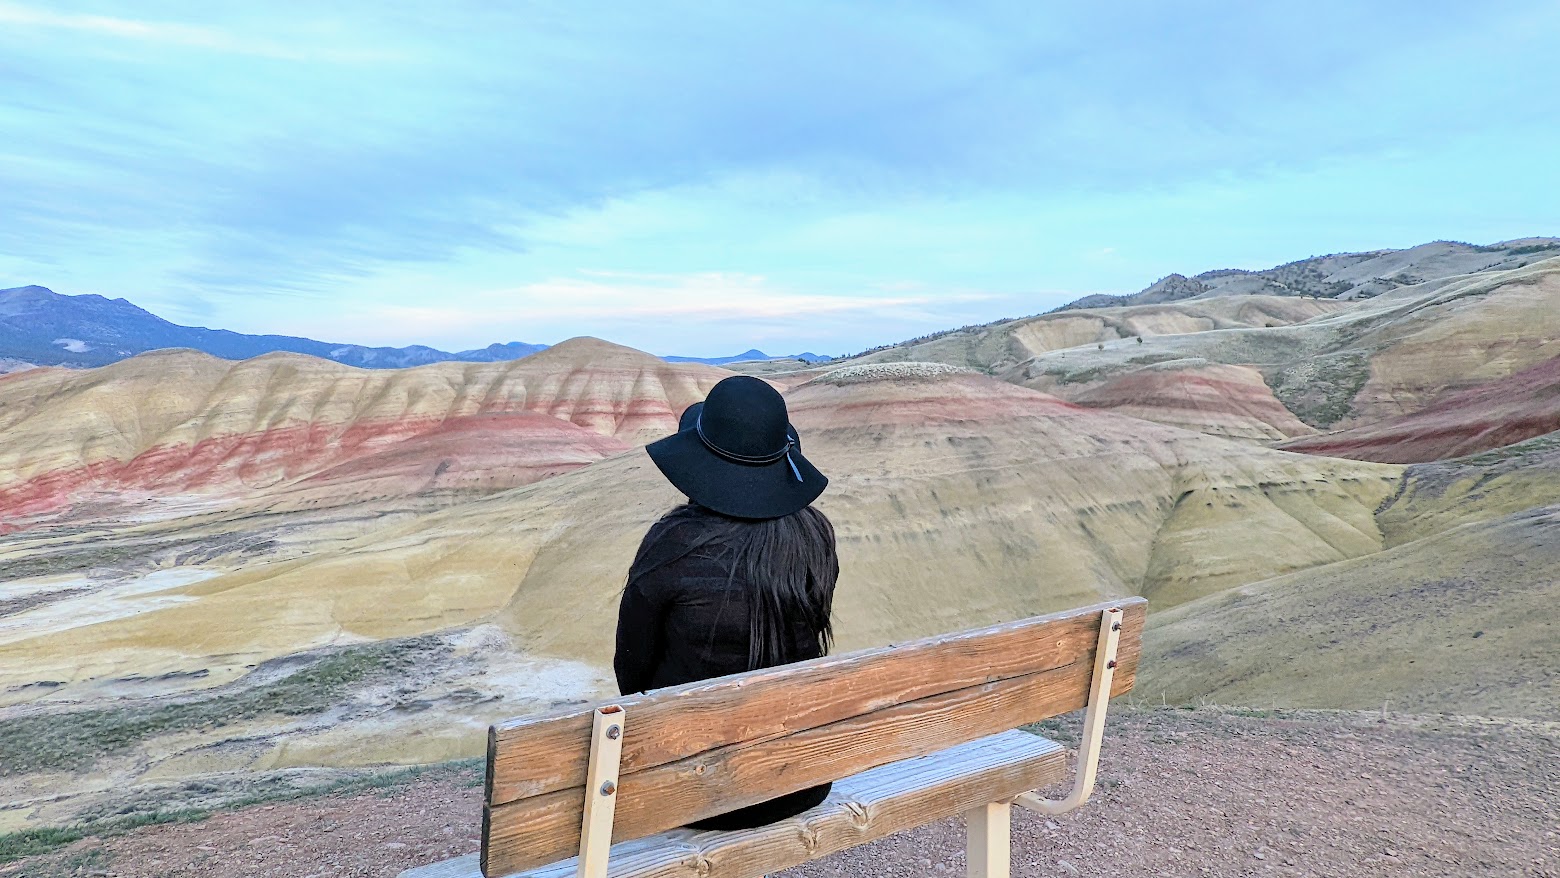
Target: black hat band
<point>785,452</point>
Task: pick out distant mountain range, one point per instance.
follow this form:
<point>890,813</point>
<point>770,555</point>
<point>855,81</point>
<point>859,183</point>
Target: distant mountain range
<point>749,356</point>
<point>39,327</point>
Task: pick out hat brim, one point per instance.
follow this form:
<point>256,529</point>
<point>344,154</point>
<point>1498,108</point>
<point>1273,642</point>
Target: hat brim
<point>740,490</point>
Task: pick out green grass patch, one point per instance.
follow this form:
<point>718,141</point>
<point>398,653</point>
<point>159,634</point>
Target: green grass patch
<point>1536,445</point>
<point>1532,248</point>
<point>1320,391</point>
<point>1065,376</point>
<point>1066,729</point>
<point>1151,359</point>
<point>57,562</point>
<point>31,842</point>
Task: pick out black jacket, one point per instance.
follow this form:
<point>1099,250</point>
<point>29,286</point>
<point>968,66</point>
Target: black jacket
<point>684,618</point>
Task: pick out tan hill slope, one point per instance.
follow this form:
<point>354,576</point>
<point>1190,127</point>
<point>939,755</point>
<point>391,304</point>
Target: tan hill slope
<point>1461,622</point>
<point>1344,275</point>
<point>477,453</point>
<point>1456,616</point>
<point>997,347</point>
<point>182,422</point>
<point>1441,495</point>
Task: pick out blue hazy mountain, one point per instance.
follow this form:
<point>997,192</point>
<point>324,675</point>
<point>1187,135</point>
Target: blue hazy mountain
<point>45,328</point>
<point>748,356</point>
<point>40,326</point>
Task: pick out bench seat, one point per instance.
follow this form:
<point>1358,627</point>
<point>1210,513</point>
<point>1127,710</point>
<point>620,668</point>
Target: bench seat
<point>861,808</point>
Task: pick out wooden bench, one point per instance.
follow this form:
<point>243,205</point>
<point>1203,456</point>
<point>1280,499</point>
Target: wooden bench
<point>909,733</point>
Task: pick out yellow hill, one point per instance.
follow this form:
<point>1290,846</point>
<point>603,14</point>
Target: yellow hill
<point>1461,622</point>
<point>999,346</point>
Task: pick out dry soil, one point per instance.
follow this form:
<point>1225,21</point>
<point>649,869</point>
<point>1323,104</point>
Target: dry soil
<point>1183,793</point>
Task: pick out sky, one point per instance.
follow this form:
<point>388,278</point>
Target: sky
<point>702,178</point>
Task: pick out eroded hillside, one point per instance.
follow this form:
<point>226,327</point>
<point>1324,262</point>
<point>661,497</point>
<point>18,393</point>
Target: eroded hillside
<point>180,425</point>
<point>1374,360</point>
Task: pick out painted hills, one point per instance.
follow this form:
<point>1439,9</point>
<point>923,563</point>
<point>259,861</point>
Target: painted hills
<point>944,480</point>
<point>1361,364</point>
<point>265,567</point>
<point>1449,616</point>
<point>176,424</point>
<point>1032,503</point>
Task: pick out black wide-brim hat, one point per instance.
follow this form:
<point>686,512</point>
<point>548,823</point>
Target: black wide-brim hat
<point>740,456</point>
<point>690,417</point>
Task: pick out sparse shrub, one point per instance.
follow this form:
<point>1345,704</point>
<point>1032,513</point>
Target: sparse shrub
<point>1321,390</point>
<point>1532,248</point>
<point>15,845</point>
<point>74,740</point>
<point>1101,346</point>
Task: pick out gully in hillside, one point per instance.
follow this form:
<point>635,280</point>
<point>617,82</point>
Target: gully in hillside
<point>742,576</point>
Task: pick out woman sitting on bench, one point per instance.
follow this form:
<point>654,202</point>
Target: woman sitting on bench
<point>742,576</point>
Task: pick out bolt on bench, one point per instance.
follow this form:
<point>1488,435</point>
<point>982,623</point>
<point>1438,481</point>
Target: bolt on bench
<point>909,734</point>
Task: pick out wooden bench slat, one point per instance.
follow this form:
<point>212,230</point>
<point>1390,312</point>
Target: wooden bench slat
<point>541,829</point>
<point>863,807</point>
<point>537,755</point>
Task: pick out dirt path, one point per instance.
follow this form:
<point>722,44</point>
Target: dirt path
<point>1184,793</point>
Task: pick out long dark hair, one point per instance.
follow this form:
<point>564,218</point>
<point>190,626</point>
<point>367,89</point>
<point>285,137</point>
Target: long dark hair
<point>789,563</point>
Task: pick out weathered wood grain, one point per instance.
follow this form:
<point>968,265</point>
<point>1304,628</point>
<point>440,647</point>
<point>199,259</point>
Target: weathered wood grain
<point>861,808</point>
<point>864,807</point>
<point>540,829</point>
<point>537,755</point>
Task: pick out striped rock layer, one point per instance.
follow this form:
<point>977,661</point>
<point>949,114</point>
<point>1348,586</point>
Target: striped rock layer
<point>182,422</point>
<point>1492,415</point>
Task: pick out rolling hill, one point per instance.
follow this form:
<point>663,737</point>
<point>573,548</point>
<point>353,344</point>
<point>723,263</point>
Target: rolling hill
<point>1341,275</point>
<point>178,423</point>
<point>1364,364</point>
<point>1221,400</point>
<point>999,347</point>
<point>1460,622</point>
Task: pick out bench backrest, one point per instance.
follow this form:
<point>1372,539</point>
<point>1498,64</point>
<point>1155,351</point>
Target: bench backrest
<point>694,751</point>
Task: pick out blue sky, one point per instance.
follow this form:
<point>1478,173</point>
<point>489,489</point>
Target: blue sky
<point>699,178</point>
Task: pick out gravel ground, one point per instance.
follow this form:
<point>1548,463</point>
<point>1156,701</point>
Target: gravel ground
<point>1183,793</point>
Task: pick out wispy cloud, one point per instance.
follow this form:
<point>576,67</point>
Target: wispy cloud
<point>700,313</point>
<point>173,33</point>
